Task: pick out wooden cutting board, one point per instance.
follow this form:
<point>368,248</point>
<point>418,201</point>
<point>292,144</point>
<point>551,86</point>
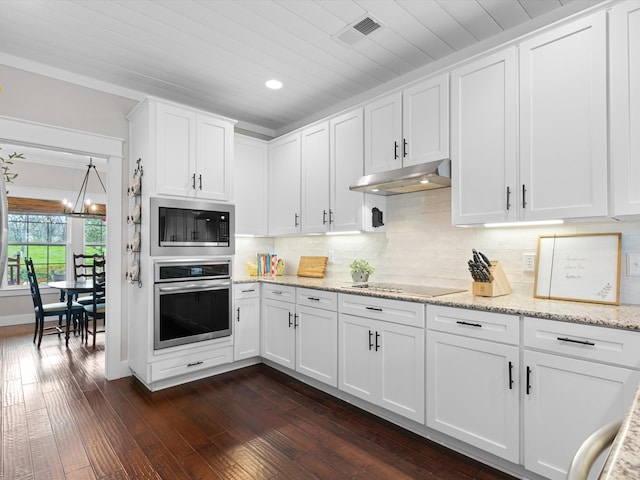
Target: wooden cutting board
<point>312,266</point>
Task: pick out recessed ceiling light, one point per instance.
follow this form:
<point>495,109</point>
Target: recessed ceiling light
<point>273,84</point>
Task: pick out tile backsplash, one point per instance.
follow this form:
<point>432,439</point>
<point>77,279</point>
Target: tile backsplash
<point>421,247</point>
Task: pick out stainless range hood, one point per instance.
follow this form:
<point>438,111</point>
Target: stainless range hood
<point>425,176</point>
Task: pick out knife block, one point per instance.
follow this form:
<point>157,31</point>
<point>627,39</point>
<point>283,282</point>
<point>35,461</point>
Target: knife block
<point>498,286</point>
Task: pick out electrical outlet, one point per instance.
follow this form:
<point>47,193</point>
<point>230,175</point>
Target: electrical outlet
<point>331,256</point>
<point>633,264</point>
<point>528,262</point>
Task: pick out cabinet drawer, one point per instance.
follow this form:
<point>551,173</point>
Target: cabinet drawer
<point>496,327</point>
<point>396,311</point>
<point>191,363</point>
<point>317,298</point>
<point>611,345</point>
<point>246,290</point>
<point>283,293</point>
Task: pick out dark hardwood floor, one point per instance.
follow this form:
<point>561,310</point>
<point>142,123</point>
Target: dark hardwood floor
<point>62,420</point>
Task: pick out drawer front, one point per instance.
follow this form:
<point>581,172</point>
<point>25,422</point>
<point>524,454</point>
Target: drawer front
<point>611,345</point>
<point>185,364</point>
<point>396,311</point>
<point>246,290</point>
<point>317,298</point>
<point>496,327</point>
<point>284,293</point>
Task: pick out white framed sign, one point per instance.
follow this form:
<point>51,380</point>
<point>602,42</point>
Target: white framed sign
<point>579,267</point>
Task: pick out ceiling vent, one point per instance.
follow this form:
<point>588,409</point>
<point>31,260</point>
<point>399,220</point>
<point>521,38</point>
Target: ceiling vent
<point>357,30</point>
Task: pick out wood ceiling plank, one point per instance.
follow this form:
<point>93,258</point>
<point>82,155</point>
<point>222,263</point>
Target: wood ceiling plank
<point>506,13</point>
<point>535,8</point>
<point>472,17</point>
<point>439,21</point>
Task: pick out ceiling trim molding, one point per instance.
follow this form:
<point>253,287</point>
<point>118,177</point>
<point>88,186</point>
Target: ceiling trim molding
<point>70,77</point>
<point>24,132</point>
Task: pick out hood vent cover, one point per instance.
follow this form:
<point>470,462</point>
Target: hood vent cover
<point>357,30</point>
<point>415,178</point>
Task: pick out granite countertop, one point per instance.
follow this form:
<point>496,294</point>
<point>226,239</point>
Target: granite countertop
<point>613,316</point>
<point>624,460</point>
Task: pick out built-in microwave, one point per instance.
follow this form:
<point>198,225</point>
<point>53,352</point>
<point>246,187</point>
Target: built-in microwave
<point>191,227</point>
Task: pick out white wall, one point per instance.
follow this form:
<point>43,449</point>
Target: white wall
<point>421,247</point>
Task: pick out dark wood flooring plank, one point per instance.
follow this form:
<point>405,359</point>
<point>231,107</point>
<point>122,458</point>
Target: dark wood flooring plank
<point>44,451</point>
<point>17,451</point>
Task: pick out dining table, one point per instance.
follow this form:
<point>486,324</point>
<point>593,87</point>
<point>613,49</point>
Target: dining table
<point>71,288</point>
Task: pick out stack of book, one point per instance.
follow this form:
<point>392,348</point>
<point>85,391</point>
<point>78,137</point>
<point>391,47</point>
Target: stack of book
<point>266,263</point>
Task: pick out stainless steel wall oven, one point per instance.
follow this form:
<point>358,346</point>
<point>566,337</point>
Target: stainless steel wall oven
<point>191,227</point>
<point>192,301</point>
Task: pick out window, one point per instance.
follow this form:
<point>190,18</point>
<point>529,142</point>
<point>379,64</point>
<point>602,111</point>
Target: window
<point>95,236</point>
<point>41,237</point>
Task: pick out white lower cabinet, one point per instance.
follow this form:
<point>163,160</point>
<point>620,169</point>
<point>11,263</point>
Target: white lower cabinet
<point>302,336</point>
<point>246,321</point>
<point>568,395</point>
<point>472,383</point>
<point>380,361</point>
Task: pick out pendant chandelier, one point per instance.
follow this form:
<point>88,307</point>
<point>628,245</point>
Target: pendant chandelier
<point>83,207</point>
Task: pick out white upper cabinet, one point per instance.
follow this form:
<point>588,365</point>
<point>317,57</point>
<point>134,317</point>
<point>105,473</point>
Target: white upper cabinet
<point>560,168</point>
<point>346,165</point>
<point>563,122</point>
<point>625,107</point>
<point>425,121</point>
<point>194,153</point>
<point>483,139</point>
<point>250,185</point>
<point>315,179</point>
<point>408,127</point>
<point>383,134</point>
<point>284,185</point>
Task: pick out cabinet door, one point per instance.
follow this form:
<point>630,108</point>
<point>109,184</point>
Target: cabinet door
<point>176,151</point>
<point>215,151</point>
<point>278,334</point>
<point>317,344</point>
<point>250,185</point>
<point>400,352</point>
<point>625,107</point>
<point>565,401</point>
<point>315,179</point>
<point>563,122</point>
<point>246,329</point>
<point>383,134</point>
<point>357,358</point>
<point>346,165</point>
<point>425,124</point>
<point>483,140</point>
<point>469,393</point>
<point>284,186</point>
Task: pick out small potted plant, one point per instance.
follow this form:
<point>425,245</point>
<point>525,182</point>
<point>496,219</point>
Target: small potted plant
<point>360,270</point>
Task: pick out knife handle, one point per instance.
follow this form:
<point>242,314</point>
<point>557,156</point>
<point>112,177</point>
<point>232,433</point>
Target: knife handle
<point>485,259</point>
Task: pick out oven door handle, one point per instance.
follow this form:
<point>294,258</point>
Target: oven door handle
<point>193,287</point>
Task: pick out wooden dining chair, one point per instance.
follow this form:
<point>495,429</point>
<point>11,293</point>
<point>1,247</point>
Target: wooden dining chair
<point>83,266</point>
<point>96,309</point>
<point>42,311</point>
